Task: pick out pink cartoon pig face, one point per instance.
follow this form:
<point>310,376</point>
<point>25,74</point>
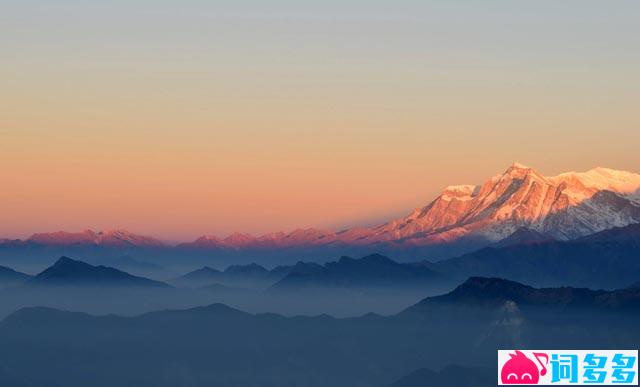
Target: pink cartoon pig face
<point>519,370</point>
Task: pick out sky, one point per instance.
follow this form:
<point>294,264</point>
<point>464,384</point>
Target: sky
<point>182,118</point>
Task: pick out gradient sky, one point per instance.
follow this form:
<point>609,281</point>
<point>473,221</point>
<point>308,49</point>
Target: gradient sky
<point>180,118</point>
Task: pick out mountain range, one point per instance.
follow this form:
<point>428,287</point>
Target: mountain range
<point>9,277</point>
<point>492,292</point>
<point>607,259</point>
<point>219,345</point>
<point>70,272</point>
<point>563,207</point>
<point>372,271</point>
<point>111,238</point>
<point>243,276</point>
<point>461,219</point>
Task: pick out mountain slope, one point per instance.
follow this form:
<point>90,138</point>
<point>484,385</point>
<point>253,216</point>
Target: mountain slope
<point>487,292</point>
<point>251,276</point>
<point>608,259</point>
<point>563,207</point>
<point>523,236</point>
<point>218,345</point>
<point>9,277</point>
<point>69,272</point>
<point>367,272</point>
<point>461,219</point>
<point>204,276</point>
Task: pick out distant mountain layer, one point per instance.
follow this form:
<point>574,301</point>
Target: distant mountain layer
<point>491,292</point>
<point>565,206</point>
<point>68,272</point>
<point>523,236</point>
<point>371,271</point>
<point>562,207</point>
<point>218,345</point>
<point>9,276</point>
<point>608,259</point>
<point>250,275</point>
<point>111,238</point>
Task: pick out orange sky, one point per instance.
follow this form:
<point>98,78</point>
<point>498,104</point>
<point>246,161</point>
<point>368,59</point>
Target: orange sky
<point>295,120</point>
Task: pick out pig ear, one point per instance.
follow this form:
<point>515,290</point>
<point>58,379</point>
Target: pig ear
<point>513,355</point>
<point>518,353</point>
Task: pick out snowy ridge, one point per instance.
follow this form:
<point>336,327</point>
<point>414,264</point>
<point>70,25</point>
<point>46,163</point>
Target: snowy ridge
<point>110,238</point>
<point>565,206</point>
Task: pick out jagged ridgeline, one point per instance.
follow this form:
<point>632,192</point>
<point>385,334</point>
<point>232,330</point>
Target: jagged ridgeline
<point>462,219</point>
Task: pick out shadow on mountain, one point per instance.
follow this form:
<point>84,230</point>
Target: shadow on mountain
<point>608,259</point>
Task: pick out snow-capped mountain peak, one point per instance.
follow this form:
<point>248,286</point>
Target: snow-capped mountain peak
<point>564,206</point>
<point>110,238</point>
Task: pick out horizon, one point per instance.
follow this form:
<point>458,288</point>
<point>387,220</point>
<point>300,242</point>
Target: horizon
<point>354,224</point>
<point>260,118</point>
<point>338,193</point>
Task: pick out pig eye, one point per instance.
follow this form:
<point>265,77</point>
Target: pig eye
<point>512,375</point>
<point>527,375</point>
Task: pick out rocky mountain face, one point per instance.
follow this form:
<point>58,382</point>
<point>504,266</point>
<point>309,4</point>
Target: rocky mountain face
<point>562,207</point>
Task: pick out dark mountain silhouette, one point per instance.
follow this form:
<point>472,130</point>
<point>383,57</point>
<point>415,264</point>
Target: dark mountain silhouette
<point>523,236</point>
<point>450,376</point>
<point>488,292</point>
<point>461,219</point>
<point>9,277</point>
<point>251,275</point>
<point>218,345</point>
<point>280,271</point>
<point>250,270</point>
<point>371,271</point>
<point>608,259</point>
<point>203,276</point>
<point>69,272</point>
<point>628,236</point>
